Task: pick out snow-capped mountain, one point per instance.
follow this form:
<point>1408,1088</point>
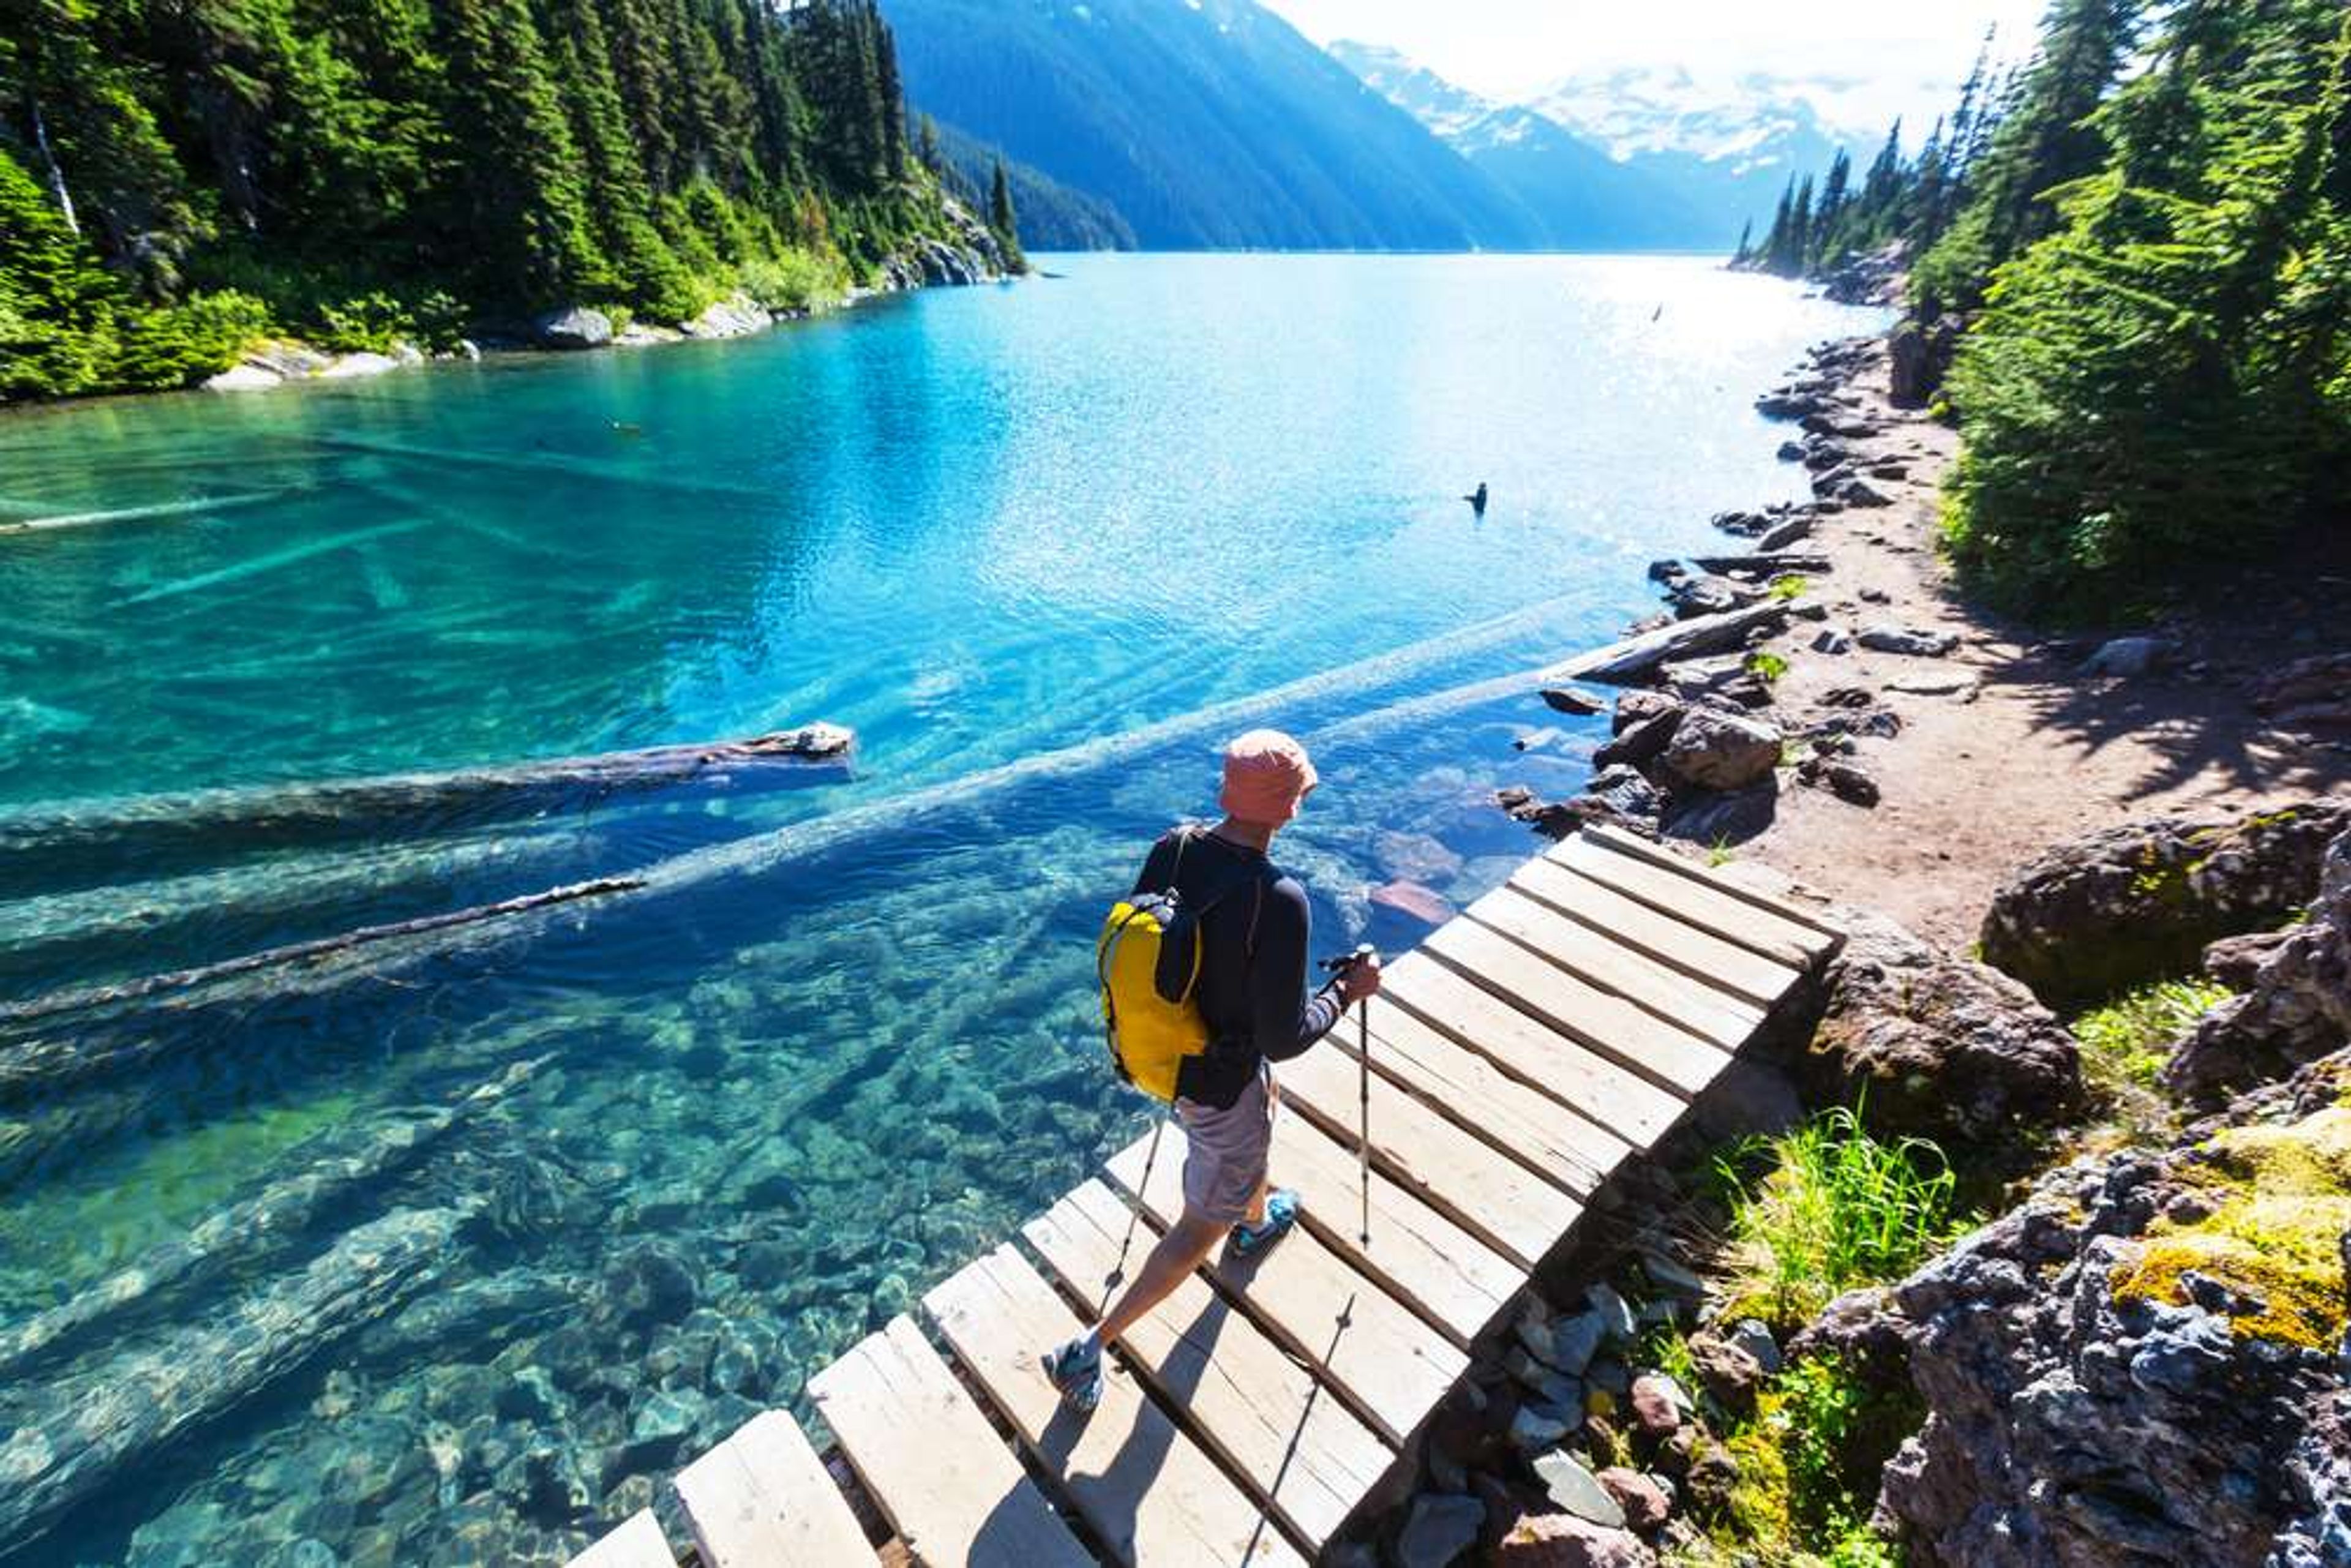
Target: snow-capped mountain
<point>1751,120</point>
<point>1709,155</point>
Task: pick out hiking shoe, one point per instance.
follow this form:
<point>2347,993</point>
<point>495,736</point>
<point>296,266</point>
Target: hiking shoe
<point>1281,1214</point>
<point>1076,1372</point>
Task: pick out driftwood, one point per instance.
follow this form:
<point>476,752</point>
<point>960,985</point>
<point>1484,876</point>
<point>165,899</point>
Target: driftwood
<point>236,1236</point>
<point>1637,658</point>
<point>1771,562</point>
<point>73,1438</point>
<point>48,1062</point>
<point>146,833</point>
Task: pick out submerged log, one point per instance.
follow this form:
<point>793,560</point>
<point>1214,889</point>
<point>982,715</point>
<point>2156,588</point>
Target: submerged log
<point>48,1062</point>
<point>73,1438</point>
<point>237,1234</point>
<point>143,835</point>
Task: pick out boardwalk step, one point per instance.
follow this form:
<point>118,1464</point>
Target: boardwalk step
<point>1148,1491</point>
<point>1286,1437</point>
<point>947,1484</point>
<point>635,1543</point>
<point>1454,1170</point>
<point>1530,1050</point>
<point>1380,1357</point>
<point>1707,959</point>
<point>763,1496</point>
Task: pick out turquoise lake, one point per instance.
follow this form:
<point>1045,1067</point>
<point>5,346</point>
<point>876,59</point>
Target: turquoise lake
<point>618,1181</point>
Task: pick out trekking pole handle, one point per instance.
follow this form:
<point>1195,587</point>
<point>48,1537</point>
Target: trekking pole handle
<point>1345,961</point>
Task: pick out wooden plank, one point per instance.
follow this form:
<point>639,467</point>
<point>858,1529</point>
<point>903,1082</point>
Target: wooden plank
<point>1277,1428</point>
<point>1555,1140</point>
<point>763,1496</point>
<point>1148,1491</point>
<point>1639,848</point>
<point>1675,943</point>
<point>1670,1057</point>
<point>1455,1171</point>
<point>635,1543</point>
<point>1531,1050</point>
<point>1601,960</point>
<point>948,1485</point>
<point>1380,1357</point>
<point>1692,903</point>
<point>1424,1260</point>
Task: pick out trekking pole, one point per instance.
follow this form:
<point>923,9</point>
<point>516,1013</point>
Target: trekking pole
<point>1133,1216</point>
<point>1364,1101</point>
<point>1337,967</point>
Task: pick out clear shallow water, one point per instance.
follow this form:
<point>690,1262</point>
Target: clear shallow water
<point>748,1121</point>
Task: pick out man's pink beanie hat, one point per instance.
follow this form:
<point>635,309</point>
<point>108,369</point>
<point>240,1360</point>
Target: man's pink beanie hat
<point>1267,774</point>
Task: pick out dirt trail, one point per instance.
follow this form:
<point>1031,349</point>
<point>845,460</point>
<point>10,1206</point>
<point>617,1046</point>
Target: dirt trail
<point>1975,785</point>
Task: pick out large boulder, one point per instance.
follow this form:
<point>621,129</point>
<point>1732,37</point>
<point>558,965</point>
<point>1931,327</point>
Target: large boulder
<point>1942,1046</point>
<point>1919,356</point>
<point>2125,905</point>
<point>2299,1006</point>
<point>1713,749</point>
<point>2140,1364</point>
<point>573,327</point>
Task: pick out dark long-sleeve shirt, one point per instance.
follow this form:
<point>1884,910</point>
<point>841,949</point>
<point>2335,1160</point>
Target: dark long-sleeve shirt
<point>1253,961</point>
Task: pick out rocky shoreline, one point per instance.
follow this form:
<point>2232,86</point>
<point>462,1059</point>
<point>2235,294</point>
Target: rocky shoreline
<point>2139,1353</point>
<point>975,256</point>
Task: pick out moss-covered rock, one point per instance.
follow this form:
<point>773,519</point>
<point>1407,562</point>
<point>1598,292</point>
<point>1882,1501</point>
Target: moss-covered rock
<point>2119,907</point>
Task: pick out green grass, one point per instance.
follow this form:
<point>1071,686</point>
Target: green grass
<point>2125,1043</point>
<point>1720,853</point>
<point>1834,1208</point>
<point>1766,666</point>
<point>1790,586</point>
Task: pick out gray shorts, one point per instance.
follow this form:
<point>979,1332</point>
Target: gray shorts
<point>1225,1153</point>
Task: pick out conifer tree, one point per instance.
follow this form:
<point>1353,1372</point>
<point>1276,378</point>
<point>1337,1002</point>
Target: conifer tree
<point>1001,220</point>
<point>521,183</point>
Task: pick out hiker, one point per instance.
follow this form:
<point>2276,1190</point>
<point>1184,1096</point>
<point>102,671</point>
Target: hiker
<point>1252,936</point>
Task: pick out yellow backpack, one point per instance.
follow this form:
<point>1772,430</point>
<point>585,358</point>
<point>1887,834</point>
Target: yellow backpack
<point>1148,963</point>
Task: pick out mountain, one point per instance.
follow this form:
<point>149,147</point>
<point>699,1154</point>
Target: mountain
<point>1628,157</point>
<point>1052,215</point>
<point>1581,197</point>
<point>1205,123</point>
<point>1728,145</point>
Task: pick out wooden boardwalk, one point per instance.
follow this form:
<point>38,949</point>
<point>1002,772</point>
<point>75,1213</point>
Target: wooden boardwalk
<point>1560,1026</point>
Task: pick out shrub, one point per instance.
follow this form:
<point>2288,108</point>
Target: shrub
<point>1790,586</point>
<point>791,279</point>
<point>1835,1208</point>
<point>1766,666</point>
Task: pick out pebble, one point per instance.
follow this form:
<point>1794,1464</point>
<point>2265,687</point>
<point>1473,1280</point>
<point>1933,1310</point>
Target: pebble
<point>1615,1316</point>
<point>1670,1276</point>
<point>1657,1404</point>
<point>1645,1503</point>
<point>1440,1529</point>
<point>1753,1336</point>
<point>1574,1341</point>
<point>1577,1490</point>
<point>1536,1427</point>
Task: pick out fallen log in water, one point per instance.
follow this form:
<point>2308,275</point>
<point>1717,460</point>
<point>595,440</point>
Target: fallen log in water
<point>239,1235</point>
<point>49,1062</point>
<point>203,506</point>
<point>95,935</point>
<point>93,840</point>
<point>72,1438</point>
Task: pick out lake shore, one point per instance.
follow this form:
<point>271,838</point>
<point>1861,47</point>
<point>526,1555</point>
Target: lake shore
<point>2018,736</point>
